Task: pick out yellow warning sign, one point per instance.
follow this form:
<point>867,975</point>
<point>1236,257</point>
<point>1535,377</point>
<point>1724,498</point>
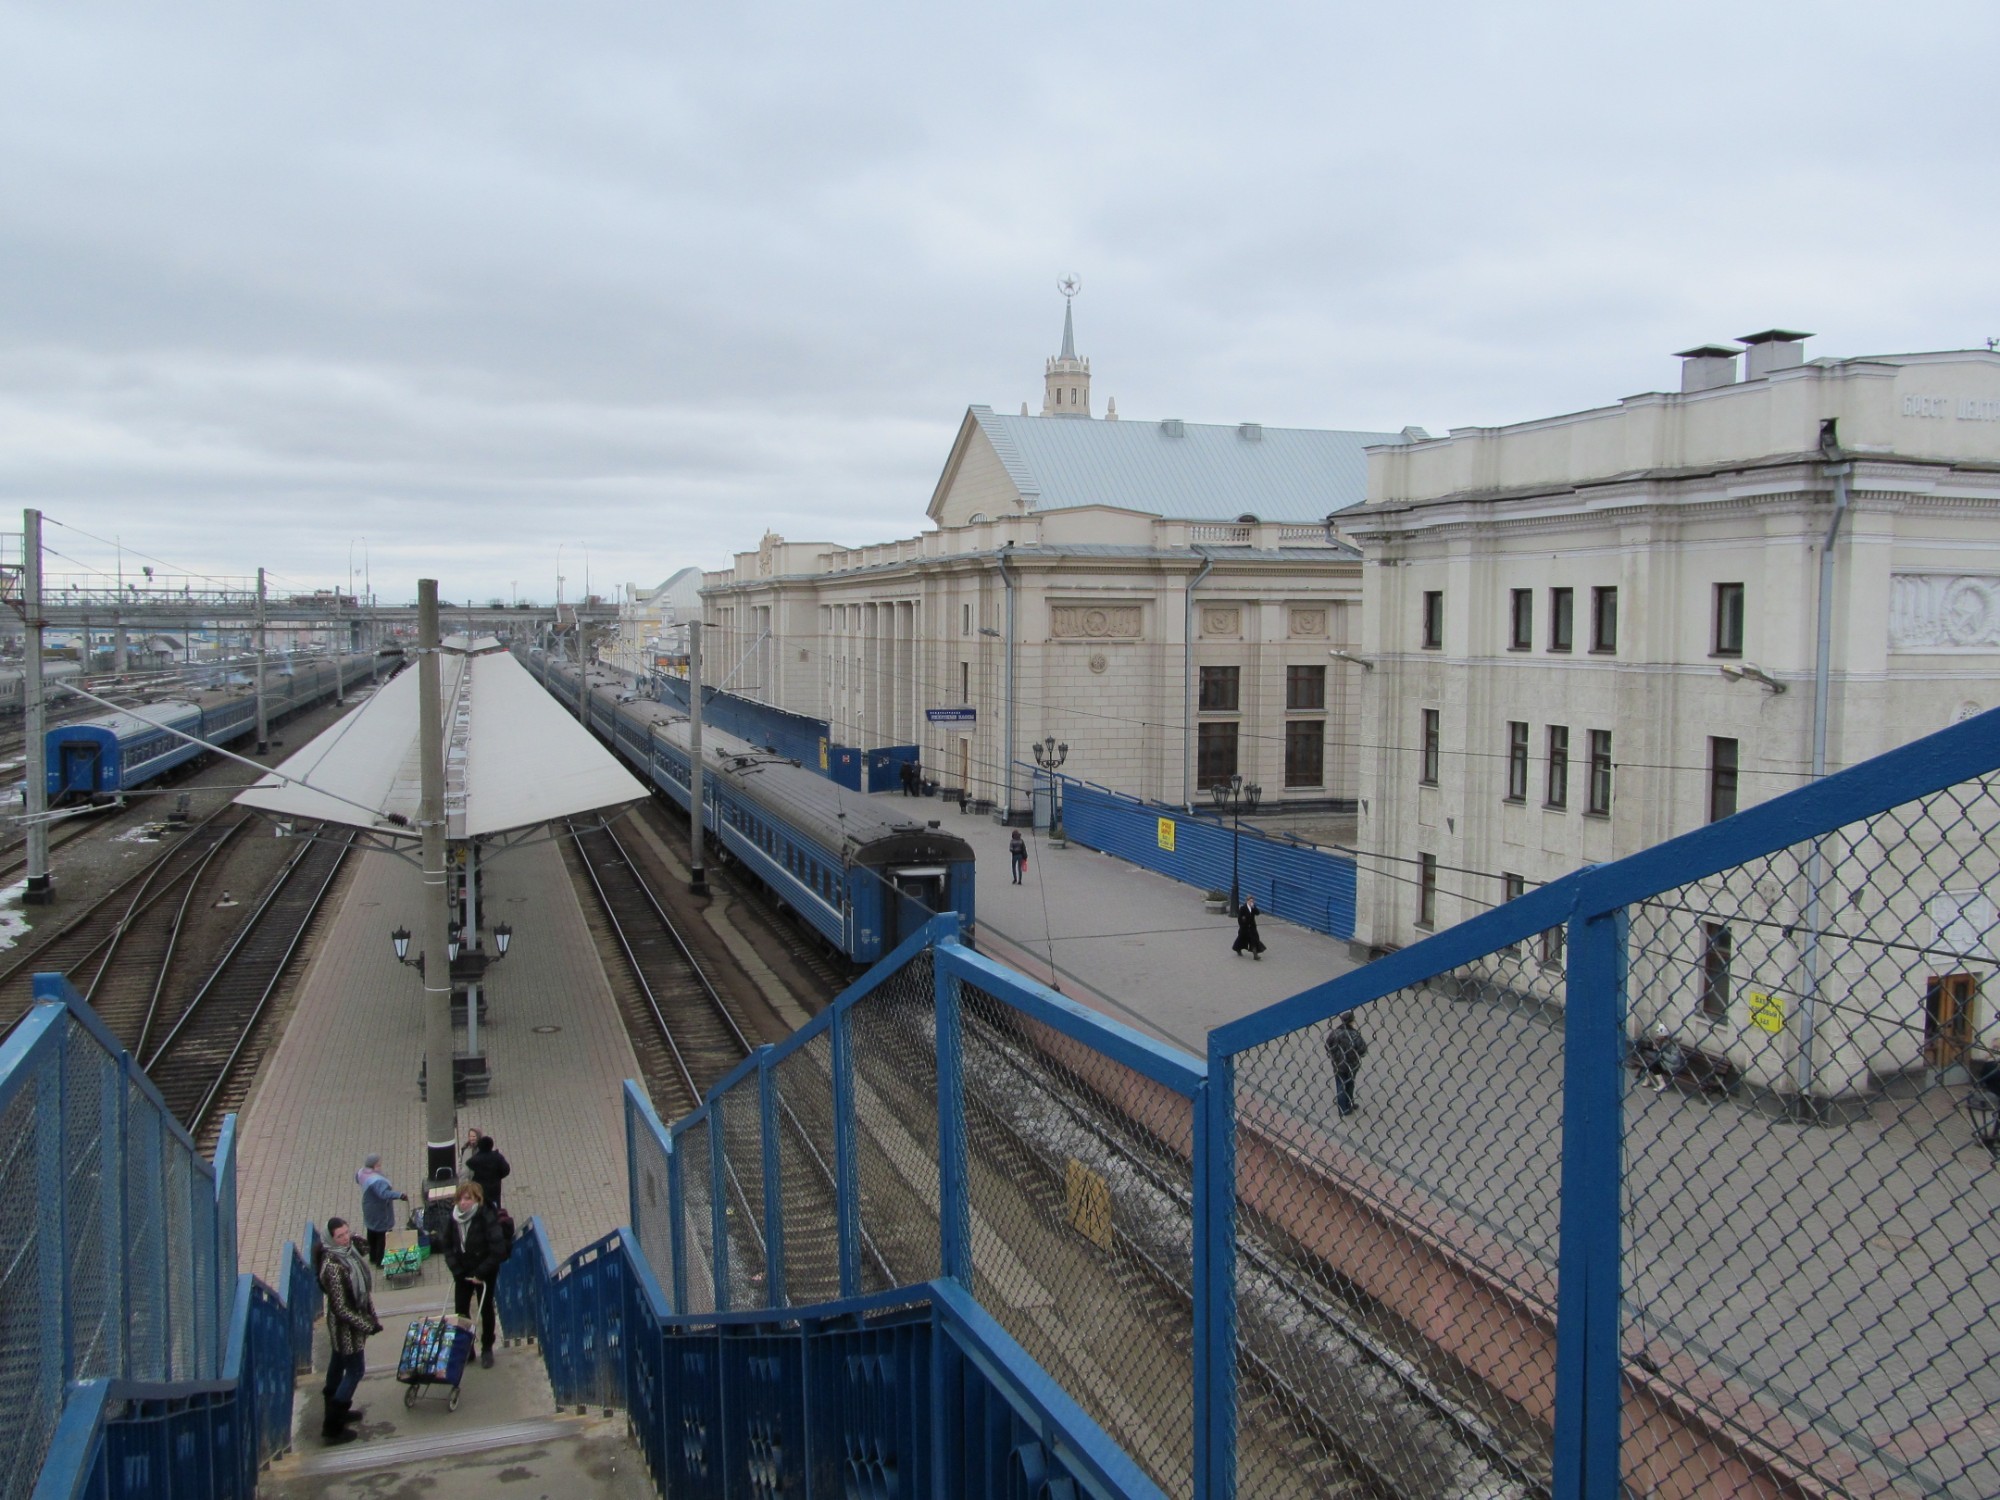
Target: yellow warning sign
<point>822,752</point>
<point>1167,834</point>
<point>1088,1199</point>
<point>1767,1012</point>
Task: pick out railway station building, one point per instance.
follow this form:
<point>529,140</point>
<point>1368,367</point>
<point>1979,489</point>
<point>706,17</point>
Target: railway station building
<point>1162,597</point>
<point>1585,634</point>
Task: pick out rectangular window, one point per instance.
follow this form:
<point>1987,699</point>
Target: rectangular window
<point>1562,618</point>
<point>1715,954</point>
<point>1434,620</point>
<point>1721,778</point>
<point>1558,788</point>
<point>1429,773</point>
<point>1305,689</point>
<point>1521,621</point>
<point>1215,754</point>
<point>1512,887</point>
<point>1604,620</point>
<point>1219,687</point>
<point>965,682</point>
<point>1600,771</point>
<point>1553,939</point>
<point>1729,619</point>
<point>1427,890</point>
<point>1305,752</point>
<point>965,627</point>
<point>1517,761</point>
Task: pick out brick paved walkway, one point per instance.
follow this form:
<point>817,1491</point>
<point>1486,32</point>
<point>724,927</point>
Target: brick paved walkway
<point>342,1083</point>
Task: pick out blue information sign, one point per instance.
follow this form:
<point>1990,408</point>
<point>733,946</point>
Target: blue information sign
<point>952,715</point>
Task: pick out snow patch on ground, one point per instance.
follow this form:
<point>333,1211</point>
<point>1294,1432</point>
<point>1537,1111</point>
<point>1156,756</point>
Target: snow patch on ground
<point>144,833</point>
<point>14,922</point>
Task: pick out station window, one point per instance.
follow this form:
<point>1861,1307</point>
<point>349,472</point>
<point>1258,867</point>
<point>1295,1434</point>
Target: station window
<point>1553,939</point>
<point>1717,949</point>
<point>1599,800</point>
<point>1305,752</point>
<point>1722,776</point>
<point>1728,619</point>
<point>1305,689</point>
<point>1604,620</point>
<point>1433,622</point>
<point>1215,754</point>
<point>1427,890</point>
<point>1558,788</point>
<point>965,682</point>
<point>1521,620</point>
<point>1562,619</point>
<point>1220,689</point>
<point>1517,761</point>
<point>966,627</point>
<point>1428,771</point>
<point>1512,887</point>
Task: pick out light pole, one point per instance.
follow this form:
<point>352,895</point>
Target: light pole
<point>1234,795</point>
<point>1050,757</point>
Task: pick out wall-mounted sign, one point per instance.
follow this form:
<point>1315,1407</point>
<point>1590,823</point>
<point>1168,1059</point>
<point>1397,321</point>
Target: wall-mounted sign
<point>1767,1011</point>
<point>1167,834</point>
<point>952,715</point>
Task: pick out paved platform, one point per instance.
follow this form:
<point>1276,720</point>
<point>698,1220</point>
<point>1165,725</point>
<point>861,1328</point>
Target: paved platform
<point>342,1083</point>
<point>1126,940</point>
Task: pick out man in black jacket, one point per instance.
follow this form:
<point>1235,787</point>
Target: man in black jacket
<point>1345,1047</point>
<point>486,1167</point>
<point>474,1247</point>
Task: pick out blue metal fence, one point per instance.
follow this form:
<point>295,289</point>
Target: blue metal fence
<point>1456,1254</point>
<point>1303,884</point>
<point>134,1360</point>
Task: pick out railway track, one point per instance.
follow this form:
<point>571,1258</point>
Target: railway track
<point>205,1059</point>
<point>141,915</point>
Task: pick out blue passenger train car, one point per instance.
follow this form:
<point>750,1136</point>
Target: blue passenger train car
<point>856,871</point>
<point>119,751</point>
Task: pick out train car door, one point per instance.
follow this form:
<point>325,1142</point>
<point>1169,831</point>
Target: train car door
<point>920,895</point>
<point>79,766</point>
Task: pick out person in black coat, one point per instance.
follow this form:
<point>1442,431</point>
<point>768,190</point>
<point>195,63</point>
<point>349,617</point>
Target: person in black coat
<point>1246,929</point>
<point>486,1167</point>
<point>474,1246</point>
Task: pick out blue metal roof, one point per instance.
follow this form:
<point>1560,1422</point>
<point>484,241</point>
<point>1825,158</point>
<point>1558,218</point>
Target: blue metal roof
<point>1183,470</point>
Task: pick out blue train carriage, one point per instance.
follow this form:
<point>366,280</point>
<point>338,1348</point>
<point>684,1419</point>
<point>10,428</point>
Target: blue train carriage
<point>860,877</point>
<point>115,752</point>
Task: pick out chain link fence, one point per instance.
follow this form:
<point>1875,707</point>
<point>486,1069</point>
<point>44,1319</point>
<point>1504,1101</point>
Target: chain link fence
<point>113,1263</point>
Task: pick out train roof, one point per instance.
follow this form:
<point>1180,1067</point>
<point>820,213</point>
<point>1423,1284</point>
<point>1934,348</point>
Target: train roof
<point>127,722</point>
<point>813,803</point>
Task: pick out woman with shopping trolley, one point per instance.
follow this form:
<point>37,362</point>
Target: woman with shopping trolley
<point>474,1247</point>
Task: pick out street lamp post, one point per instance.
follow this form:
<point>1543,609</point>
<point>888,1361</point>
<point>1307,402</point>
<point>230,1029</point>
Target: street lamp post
<point>1234,796</point>
<point>1050,757</point>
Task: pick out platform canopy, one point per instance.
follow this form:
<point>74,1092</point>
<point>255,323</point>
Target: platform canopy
<point>514,758</point>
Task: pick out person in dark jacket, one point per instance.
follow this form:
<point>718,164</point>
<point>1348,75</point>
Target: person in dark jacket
<point>486,1166</point>
<point>1345,1047</point>
<point>378,1206</point>
<point>1246,929</point>
<point>473,1249</point>
<point>1017,855</point>
<point>350,1319</point>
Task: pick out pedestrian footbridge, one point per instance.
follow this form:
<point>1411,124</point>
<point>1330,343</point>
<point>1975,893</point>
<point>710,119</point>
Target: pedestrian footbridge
<point>963,1236</point>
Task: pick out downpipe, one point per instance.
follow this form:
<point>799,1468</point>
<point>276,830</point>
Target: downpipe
<point>1187,683</point>
<point>1007,753</point>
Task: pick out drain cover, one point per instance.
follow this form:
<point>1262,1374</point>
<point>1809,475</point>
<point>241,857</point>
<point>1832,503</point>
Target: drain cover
<point>547,1030</point>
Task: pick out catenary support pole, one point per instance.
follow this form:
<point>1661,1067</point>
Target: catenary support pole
<point>440,1121</point>
<point>40,889</point>
<point>472,991</point>
<point>263,725</point>
<point>697,873</point>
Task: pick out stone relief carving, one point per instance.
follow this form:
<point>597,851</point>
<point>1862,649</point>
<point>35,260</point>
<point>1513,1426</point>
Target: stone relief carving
<point>1943,612</point>
<point>1309,622</point>
<point>1221,621</point>
<point>1099,661</point>
<point>1095,621</point>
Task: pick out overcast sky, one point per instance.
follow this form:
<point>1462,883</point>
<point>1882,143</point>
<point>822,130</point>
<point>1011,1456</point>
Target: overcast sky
<point>479,281</point>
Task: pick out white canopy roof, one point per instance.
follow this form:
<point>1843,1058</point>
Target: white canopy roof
<point>513,757</point>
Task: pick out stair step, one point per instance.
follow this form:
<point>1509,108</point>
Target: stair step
<point>355,1458</point>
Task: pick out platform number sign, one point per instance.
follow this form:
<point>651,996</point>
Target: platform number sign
<point>1167,834</point>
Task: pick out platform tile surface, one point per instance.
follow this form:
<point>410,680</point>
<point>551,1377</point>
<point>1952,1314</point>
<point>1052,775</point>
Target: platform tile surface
<point>342,1083</point>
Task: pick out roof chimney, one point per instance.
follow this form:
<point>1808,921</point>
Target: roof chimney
<point>1250,432</point>
<point>1171,427</point>
<point>1707,366</point>
<point>1773,349</point>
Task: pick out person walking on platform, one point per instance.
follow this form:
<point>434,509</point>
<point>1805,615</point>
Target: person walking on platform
<point>1017,855</point>
<point>1246,929</point>
<point>350,1319</point>
<point>487,1166</point>
<point>465,1151</point>
<point>378,1206</point>
<point>474,1246</point>
<point>1345,1047</point>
